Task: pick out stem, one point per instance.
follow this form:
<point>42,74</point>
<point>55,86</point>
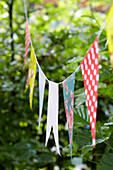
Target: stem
<point>11,28</point>
<point>90,160</point>
<point>108,145</point>
<point>95,19</point>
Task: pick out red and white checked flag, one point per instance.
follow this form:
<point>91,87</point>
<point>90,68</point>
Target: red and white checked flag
<point>90,71</point>
<point>27,41</point>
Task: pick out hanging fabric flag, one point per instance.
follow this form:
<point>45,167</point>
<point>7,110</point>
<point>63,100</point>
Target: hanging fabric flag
<point>42,80</point>
<point>27,41</point>
<point>32,73</point>
<point>110,33</point>
<point>28,80</point>
<point>68,92</point>
<point>90,72</point>
<point>52,115</point>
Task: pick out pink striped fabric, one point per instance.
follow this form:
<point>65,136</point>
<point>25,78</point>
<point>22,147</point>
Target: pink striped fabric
<point>27,41</point>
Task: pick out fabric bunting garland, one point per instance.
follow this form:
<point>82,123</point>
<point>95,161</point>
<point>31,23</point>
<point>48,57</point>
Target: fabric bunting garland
<point>42,80</point>
<point>27,41</point>
<point>32,73</point>
<point>90,72</point>
<point>52,115</point>
<point>110,33</point>
<point>68,92</point>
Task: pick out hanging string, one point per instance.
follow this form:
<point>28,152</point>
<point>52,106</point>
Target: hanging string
<point>72,73</point>
<point>26,16</point>
<point>25,9</point>
<point>99,33</point>
<point>32,45</point>
<point>101,29</point>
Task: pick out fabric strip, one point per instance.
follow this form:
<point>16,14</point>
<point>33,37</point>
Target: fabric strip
<point>52,115</point>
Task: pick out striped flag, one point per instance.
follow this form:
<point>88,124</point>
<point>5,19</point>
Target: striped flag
<point>27,41</point>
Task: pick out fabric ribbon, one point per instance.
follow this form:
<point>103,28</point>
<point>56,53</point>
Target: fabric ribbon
<point>52,115</point>
<point>42,80</point>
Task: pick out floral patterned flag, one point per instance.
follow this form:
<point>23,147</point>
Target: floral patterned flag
<point>110,33</point>
<point>52,115</point>
<point>68,92</point>
<point>27,41</point>
<point>90,72</point>
<point>32,73</point>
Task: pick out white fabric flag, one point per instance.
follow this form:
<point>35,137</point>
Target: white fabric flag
<point>42,80</point>
<point>52,115</point>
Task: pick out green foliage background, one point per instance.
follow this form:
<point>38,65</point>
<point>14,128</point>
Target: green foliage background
<point>61,36</point>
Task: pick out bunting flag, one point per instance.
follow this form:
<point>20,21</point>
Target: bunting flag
<point>28,80</point>
<point>32,73</point>
<point>90,72</point>
<point>110,33</point>
<point>68,92</point>
<point>42,80</point>
<point>52,115</point>
<point>27,41</point>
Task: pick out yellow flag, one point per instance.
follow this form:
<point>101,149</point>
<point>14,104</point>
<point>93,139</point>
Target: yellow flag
<point>32,73</point>
<point>110,33</point>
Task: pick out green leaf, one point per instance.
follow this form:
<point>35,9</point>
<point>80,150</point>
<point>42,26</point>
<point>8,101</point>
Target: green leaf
<point>75,60</point>
<point>82,137</point>
<point>44,158</point>
<point>79,76</point>
<point>80,91</point>
<point>107,92</point>
<point>106,162</point>
<point>80,99</point>
<point>24,151</point>
<point>110,141</point>
<point>86,149</point>
<point>81,117</point>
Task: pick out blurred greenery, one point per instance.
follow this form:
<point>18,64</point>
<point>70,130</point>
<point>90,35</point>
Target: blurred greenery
<point>62,32</point>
